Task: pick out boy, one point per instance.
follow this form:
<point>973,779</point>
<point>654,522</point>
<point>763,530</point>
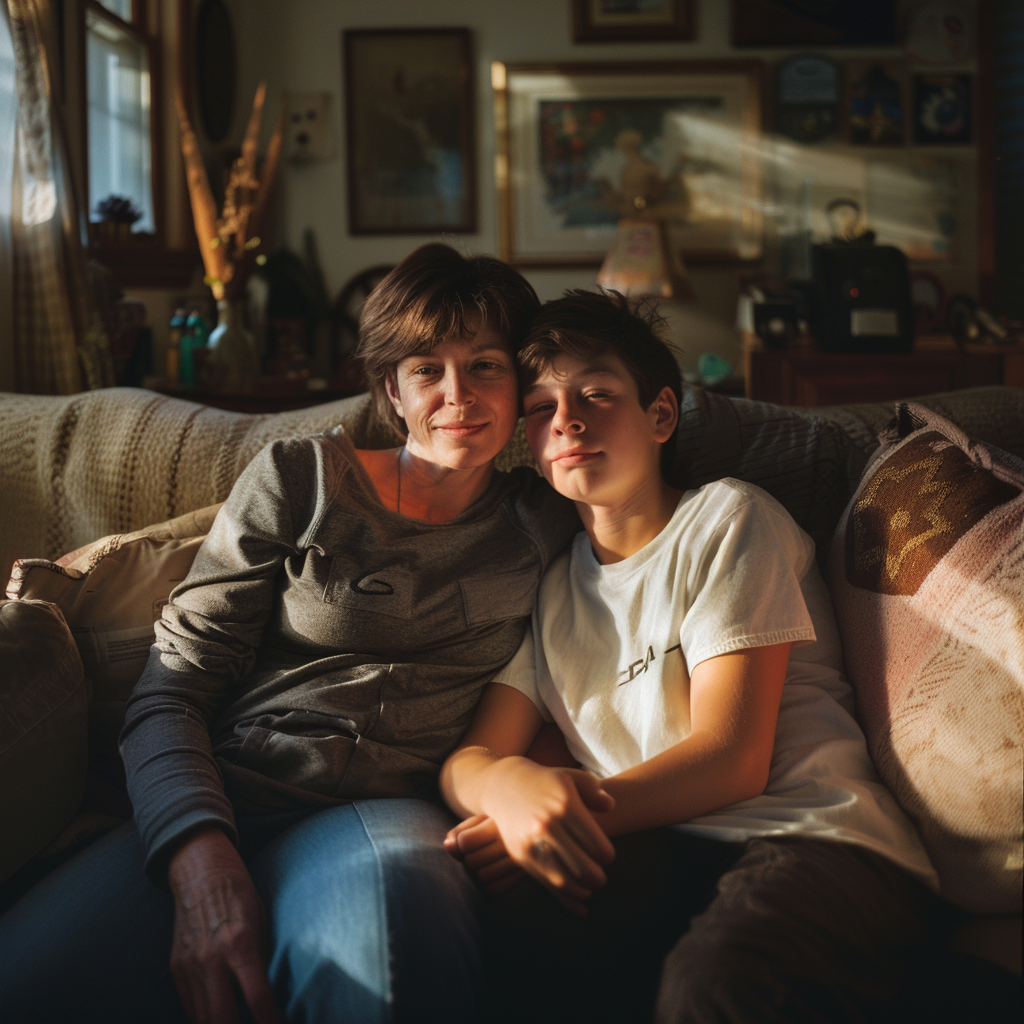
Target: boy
<point>686,648</point>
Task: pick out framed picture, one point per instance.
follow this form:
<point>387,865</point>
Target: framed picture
<point>875,103</point>
<point>409,104</point>
<point>942,109</point>
<point>813,23</point>
<point>574,140</point>
<point>612,21</point>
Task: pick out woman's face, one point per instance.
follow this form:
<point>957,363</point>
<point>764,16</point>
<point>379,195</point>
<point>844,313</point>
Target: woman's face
<point>460,401</point>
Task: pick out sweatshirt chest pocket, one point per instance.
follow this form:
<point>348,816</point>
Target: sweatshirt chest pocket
<point>387,591</point>
<point>508,595</point>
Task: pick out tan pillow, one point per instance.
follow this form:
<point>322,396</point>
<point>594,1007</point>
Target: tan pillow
<point>927,576</point>
<point>111,592</point>
<point>43,696</point>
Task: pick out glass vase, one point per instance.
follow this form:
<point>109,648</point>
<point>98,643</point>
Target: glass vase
<point>233,362</point>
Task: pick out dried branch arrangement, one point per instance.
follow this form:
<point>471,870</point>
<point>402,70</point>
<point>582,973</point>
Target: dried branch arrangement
<point>230,244</point>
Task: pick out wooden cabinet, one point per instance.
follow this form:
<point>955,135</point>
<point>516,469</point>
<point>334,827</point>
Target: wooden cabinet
<point>805,377</point>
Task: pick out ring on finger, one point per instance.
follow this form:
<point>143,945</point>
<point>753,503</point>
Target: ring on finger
<point>540,849</point>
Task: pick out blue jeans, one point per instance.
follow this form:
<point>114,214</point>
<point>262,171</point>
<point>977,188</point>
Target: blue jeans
<point>370,920</point>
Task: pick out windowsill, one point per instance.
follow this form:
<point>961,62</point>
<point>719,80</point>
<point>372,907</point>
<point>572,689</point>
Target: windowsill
<point>140,262</point>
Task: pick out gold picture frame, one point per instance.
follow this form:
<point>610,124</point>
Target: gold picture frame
<point>565,131</point>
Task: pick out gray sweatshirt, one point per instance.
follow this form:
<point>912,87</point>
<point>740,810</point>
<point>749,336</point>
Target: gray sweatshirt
<point>324,648</point>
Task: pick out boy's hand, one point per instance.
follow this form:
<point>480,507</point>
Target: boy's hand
<point>543,816</point>
<point>477,843</point>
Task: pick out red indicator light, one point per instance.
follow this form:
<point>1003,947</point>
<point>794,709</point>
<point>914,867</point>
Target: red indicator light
<point>854,293</point>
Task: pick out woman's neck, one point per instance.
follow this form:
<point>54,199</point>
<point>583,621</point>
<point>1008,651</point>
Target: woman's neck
<point>423,490</point>
<point>618,531</point>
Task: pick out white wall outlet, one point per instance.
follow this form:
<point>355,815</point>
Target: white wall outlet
<point>309,132</point>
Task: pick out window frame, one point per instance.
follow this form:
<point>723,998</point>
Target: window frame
<point>136,29</point>
<point>143,259</point>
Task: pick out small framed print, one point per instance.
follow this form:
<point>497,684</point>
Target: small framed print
<point>875,103</point>
<point>411,157</point>
<point>942,109</point>
<point>621,21</point>
<point>807,98</point>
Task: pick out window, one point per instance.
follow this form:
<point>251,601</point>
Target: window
<point>119,88</point>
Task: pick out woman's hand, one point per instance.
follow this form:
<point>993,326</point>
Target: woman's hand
<point>219,933</point>
<point>543,817</point>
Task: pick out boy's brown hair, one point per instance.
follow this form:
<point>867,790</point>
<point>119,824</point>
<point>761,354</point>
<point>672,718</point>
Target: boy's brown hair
<point>436,293</point>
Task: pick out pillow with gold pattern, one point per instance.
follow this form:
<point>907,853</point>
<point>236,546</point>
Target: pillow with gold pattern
<point>927,576</point>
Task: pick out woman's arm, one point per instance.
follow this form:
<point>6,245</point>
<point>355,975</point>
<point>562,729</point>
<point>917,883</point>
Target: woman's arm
<point>205,645</point>
<point>734,707</point>
<point>543,815</point>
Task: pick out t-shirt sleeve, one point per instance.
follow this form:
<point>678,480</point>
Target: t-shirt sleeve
<point>521,673</point>
<point>746,582</point>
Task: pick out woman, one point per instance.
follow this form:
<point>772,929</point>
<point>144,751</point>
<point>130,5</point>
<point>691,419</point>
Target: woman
<point>308,679</point>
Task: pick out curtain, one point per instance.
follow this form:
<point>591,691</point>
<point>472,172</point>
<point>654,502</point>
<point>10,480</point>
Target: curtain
<point>59,345</point>
<point>8,107</point>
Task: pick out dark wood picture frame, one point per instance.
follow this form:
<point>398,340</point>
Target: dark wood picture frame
<point>591,26</point>
<point>813,23</point>
<point>412,171</point>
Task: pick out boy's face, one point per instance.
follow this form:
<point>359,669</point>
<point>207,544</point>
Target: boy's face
<point>593,441</point>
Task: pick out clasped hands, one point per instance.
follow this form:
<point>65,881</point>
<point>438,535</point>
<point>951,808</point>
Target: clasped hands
<point>538,822</point>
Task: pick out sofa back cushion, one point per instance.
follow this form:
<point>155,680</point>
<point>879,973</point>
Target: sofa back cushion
<point>927,576</point>
<point>43,697</point>
<point>110,593</point>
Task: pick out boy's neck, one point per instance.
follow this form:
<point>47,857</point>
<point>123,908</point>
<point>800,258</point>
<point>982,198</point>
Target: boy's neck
<point>618,531</point>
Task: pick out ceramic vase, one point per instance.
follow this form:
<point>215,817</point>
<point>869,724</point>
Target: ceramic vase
<point>233,362</point>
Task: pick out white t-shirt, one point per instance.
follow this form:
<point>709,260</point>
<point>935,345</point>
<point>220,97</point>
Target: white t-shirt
<point>618,642</point>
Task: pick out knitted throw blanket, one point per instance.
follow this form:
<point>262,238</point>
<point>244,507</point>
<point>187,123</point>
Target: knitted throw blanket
<point>75,468</point>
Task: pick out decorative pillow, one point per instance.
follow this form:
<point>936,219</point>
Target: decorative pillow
<point>43,697</point>
<point>111,592</point>
<point>927,575</point>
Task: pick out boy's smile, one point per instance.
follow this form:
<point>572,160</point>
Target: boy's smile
<point>593,441</point>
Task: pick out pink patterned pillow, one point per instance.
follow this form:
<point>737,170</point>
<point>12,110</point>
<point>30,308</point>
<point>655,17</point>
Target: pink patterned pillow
<point>927,576</point>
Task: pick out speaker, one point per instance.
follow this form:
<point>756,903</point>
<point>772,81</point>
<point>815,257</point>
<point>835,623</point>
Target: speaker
<point>862,299</point>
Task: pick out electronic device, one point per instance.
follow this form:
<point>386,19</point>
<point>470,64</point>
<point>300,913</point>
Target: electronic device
<point>862,299</point>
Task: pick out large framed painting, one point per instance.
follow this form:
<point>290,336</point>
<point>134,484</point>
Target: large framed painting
<point>571,135</point>
<point>619,21</point>
<point>409,104</point>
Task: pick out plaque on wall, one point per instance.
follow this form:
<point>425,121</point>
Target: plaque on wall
<point>807,98</point>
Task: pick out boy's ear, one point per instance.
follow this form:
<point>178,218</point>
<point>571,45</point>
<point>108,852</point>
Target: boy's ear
<point>391,388</point>
<point>665,412</point>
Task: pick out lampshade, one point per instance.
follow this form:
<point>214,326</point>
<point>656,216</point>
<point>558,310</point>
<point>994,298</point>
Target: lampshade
<point>640,262</point>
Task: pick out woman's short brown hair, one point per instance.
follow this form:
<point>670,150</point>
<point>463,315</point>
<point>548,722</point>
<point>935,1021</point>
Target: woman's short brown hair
<point>436,293</point>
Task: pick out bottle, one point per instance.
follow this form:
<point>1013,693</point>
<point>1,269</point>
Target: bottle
<point>178,322</point>
<point>195,337</point>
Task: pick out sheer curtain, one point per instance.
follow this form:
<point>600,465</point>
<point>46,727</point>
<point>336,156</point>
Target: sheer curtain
<point>8,113</point>
<point>58,343</point>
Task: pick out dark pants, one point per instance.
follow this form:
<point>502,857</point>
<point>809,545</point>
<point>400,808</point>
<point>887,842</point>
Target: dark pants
<point>786,930</point>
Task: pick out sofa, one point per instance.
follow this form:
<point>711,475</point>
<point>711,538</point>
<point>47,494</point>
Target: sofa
<point>108,493</point>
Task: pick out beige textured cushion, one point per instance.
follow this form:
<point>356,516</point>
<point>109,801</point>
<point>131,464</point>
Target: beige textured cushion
<point>111,592</point>
<point>43,698</point>
<point>927,576</point>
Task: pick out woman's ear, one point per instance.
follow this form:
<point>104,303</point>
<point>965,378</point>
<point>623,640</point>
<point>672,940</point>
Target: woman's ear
<point>665,412</point>
<point>391,388</point>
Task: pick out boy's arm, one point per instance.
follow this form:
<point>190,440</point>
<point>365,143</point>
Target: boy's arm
<point>541,813</point>
<point>734,707</point>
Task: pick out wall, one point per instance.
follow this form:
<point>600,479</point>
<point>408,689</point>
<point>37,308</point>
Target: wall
<point>296,45</point>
